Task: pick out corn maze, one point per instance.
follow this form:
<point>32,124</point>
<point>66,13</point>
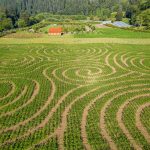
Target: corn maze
<point>93,97</point>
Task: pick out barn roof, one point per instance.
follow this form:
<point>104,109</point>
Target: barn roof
<point>55,30</point>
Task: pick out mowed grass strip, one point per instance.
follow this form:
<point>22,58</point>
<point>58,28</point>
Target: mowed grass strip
<point>64,40</point>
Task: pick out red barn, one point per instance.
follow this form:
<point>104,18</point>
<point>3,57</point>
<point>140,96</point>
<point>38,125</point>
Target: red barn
<point>55,31</point>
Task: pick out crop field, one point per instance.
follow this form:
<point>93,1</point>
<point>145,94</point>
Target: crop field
<point>74,97</point>
<point>113,33</point>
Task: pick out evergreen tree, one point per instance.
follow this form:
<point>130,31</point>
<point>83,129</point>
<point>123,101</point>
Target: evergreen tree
<point>25,9</point>
<point>119,15</point>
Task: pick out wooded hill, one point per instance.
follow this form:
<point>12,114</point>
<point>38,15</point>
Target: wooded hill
<point>137,11</point>
<point>75,7</point>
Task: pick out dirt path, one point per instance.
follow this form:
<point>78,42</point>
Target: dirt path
<point>16,99</point>
<point>123,60</point>
<point>54,109</point>
<point>139,124</point>
<point>103,127</point>
<point>13,87</point>
<point>35,92</point>
<point>101,26</point>
<point>134,64</point>
<point>108,64</point>
<point>142,64</point>
<point>120,116</point>
<point>85,114</point>
<point>116,62</point>
<point>75,40</point>
<point>49,98</point>
<point>42,124</point>
<point>34,147</point>
<point>63,125</point>
<point>14,127</point>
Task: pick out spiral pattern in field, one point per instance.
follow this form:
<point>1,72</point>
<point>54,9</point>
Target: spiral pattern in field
<point>74,97</point>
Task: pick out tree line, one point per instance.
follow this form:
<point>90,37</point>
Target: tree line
<point>20,13</point>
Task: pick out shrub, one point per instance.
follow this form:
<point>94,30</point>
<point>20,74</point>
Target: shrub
<point>21,23</point>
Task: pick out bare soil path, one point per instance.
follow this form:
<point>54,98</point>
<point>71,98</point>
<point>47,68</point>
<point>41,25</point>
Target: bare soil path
<point>74,40</point>
<point>139,124</point>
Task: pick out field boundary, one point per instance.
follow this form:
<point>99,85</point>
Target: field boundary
<point>61,40</point>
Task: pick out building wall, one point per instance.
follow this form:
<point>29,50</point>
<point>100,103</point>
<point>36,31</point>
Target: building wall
<point>55,33</point>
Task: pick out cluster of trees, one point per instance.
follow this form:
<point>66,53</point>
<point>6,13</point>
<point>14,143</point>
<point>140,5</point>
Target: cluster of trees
<point>9,21</point>
<point>5,23</point>
<point>19,13</point>
<point>139,12</point>
<point>68,7</point>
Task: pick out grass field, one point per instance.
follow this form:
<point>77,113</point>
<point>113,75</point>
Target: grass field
<point>74,97</point>
<point>68,39</point>
<point>113,33</point>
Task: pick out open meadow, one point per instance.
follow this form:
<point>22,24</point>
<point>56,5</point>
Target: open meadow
<point>114,33</point>
<point>75,93</point>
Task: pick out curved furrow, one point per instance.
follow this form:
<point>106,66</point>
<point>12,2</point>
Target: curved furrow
<point>10,92</point>
<point>54,109</point>
<point>64,72</point>
<point>41,55</point>
<point>43,141</point>
<point>142,64</point>
<point>139,124</point>
<point>63,125</point>
<point>43,123</point>
<point>23,92</point>
<point>31,60</point>
<point>49,58</point>
<point>124,59</point>
<point>61,129</point>
<point>59,79</point>
<point>108,64</point>
<point>132,62</point>
<point>26,72</point>
<point>21,62</point>
<point>91,56</point>
<point>72,84</point>
<point>50,55</point>
<point>132,65</point>
<point>103,127</point>
<point>85,114</point>
<point>119,118</point>
<point>55,52</point>
<point>116,62</point>
<point>60,135</point>
<point>15,64</point>
<point>127,59</point>
<point>34,94</point>
<point>96,78</point>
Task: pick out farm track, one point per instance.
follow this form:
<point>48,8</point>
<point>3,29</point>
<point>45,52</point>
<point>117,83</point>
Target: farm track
<point>13,86</point>
<point>75,41</point>
<point>15,99</point>
<point>139,124</point>
<point>88,79</point>
<point>121,124</point>
<point>35,92</point>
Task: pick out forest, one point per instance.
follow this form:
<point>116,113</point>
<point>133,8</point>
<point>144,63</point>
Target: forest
<point>74,74</point>
<point>21,13</point>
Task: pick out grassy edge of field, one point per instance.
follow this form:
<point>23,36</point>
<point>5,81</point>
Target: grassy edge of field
<point>61,40</point>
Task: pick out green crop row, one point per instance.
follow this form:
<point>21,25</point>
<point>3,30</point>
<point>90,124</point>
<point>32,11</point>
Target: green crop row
<point>70,96</point>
